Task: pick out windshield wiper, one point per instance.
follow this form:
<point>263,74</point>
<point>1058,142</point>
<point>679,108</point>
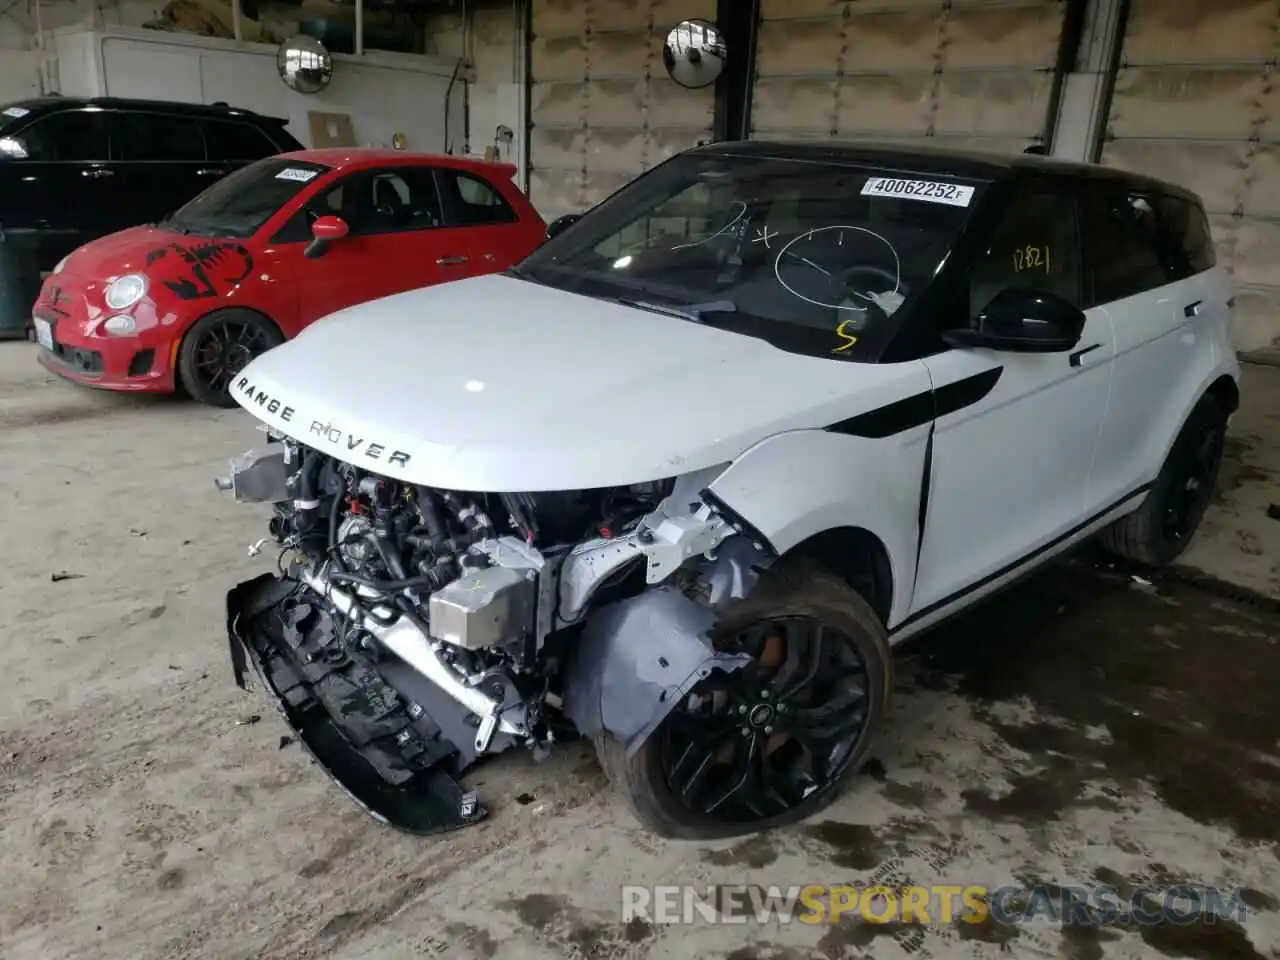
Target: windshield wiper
<point>686,311</point>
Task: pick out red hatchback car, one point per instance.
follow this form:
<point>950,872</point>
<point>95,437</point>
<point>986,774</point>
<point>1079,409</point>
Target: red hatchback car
<point>187,302</point>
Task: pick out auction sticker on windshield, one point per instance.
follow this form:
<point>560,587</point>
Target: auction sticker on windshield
<point>296,173</point>
<point>932,191</point>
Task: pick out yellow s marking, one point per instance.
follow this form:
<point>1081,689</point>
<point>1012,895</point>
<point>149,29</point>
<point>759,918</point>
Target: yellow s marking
<point>849,338</point>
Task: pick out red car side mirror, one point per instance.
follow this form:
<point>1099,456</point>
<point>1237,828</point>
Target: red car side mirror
<point>323,232</point>
<point>329,228</point>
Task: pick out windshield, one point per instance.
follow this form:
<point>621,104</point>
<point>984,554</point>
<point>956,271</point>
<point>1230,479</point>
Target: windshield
<point>11,116</point>
<point>238,204</point>
<point>823,259</point>
<point>11,113</point>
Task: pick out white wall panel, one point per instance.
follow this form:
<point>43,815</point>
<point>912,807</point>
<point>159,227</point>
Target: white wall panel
<point>602,108</point>
<point>961,71</point>
<point>384,93</point>
<point>1195,102</point>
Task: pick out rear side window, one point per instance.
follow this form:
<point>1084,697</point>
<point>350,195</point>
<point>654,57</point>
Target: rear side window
<point>391,201</point>
<point>1127,246</point>
<point>71,136</point>
<point>1189,226</point>
<point>229,140</point>
<point>1036,245</point>
<point>473,201</point>
<point>158,137</point>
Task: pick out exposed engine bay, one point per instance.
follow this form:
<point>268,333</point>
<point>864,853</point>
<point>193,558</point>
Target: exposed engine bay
<point>412,630</point>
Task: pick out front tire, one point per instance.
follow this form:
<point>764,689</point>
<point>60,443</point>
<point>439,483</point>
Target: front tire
<point>1159,531</point>
<point>777,741</point>
<point>217,347</point>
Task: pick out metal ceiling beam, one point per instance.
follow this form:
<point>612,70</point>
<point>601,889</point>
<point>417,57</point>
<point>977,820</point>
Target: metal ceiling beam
<point>739,23</point>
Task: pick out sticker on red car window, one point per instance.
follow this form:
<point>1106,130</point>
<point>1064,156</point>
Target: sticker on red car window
<point>931,191</point>
<point>296,173</point>
<point>16,112</point>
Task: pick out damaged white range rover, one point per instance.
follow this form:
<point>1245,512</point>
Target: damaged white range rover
<point>679,481</point>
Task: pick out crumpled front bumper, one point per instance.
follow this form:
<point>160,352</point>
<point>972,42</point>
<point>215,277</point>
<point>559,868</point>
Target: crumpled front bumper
<point>382,748</point>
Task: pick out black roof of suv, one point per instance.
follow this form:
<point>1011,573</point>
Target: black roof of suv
<point>922,159</point>
<point>37,106</point>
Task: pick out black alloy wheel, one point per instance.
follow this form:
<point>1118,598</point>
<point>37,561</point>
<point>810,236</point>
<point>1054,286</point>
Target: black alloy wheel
<point>1161,528</point>
<point>754,744</point>
<point>776,740</point>
<point>217,348</point>
<point>1191,487</point>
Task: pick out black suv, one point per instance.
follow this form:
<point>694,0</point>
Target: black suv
<point>73,170</point>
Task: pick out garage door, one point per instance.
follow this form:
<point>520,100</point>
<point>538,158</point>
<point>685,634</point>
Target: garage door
<point>1194,103</point>
<point>967,73</point>
<point>602,108</point>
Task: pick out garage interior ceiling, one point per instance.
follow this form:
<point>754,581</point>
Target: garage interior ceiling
<point>964,72</point>
<point>601,106</point>
<point>1195,103</point>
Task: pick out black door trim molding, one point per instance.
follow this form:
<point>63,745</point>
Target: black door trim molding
<point>1020,562</point>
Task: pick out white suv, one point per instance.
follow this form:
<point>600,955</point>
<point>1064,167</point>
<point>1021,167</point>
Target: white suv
<point>680,480</point>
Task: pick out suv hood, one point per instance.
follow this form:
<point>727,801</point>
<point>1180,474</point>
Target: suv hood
<point>498,384</point>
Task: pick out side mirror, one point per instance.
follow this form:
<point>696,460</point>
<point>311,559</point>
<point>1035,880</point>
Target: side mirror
<point>323,232</point>
<point>560,224</point>
<point>1021,320</point>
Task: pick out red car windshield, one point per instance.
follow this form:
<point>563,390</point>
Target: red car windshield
<point>238,204</point>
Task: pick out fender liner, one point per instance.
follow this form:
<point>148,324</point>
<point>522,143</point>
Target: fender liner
<point>637,658</point>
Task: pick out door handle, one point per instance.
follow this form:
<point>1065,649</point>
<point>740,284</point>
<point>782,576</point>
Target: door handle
<point>1077,357</point>
<point>97,172</point>
<point>1192,309</point>
<point>450,261</point>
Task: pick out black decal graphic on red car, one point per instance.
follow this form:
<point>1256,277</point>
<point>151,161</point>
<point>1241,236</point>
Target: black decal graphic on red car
<point>215,266</point>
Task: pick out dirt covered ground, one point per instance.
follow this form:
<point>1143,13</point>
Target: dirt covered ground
<point>1088,728</point>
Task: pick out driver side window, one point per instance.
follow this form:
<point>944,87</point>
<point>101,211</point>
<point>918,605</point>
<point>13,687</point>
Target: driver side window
<point>1036,245</point>
<point>334,200</point>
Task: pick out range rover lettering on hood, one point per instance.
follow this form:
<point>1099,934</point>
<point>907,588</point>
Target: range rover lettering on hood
<point>326,431</point>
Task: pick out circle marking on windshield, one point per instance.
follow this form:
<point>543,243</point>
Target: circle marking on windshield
<point>777,264</point>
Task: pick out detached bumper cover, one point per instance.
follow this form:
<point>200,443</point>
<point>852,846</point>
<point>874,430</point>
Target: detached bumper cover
<point>397,766</point>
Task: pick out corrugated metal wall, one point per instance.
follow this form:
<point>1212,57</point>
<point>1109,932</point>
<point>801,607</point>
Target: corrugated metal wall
<point>1196,102</point>
<point>602,108</point>
<point>966,72</point>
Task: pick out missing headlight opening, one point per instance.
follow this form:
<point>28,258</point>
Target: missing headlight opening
<point>413,630</point>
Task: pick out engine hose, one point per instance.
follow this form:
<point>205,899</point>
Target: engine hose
<point>387,550</point>
<point>430,515</point>
<point>409,583</point>
<point>335,554</point>
<point>308,477</point>
<point>446,546</point>
<point>473,519</point>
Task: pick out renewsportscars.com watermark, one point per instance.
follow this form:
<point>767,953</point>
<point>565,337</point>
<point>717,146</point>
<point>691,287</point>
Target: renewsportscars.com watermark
<point>826,904</point>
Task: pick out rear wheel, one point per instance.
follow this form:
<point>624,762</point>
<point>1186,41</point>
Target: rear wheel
<point>776,741</point>
<point>217,348</point>
<point>1158,531</point>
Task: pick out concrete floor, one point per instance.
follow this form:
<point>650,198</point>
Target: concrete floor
<point>1086,728</point>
